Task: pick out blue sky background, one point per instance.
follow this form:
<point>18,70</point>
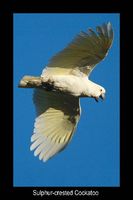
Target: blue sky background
<point>92,157</point>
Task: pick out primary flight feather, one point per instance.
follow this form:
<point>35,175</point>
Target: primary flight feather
<point>65,81</point>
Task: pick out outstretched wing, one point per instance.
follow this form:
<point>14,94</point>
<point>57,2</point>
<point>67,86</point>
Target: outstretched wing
<point>83,53</point>
<point>57,117</point>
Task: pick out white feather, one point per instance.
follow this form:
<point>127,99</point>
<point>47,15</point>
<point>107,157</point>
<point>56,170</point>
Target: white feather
<point>58,112</point>
<point>55,124</point>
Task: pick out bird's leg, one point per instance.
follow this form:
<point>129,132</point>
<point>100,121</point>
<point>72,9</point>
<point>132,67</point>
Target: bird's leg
<point>48,86</point>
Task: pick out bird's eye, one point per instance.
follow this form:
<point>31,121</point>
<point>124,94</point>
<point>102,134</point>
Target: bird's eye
<point>101,90</point>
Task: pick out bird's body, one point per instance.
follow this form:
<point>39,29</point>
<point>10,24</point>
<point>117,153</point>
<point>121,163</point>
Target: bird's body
<point>77,86</point>
<point>64,81</point>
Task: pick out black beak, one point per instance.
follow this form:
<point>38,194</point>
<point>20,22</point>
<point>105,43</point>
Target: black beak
<point>96,99</point>
<point>102,96</point>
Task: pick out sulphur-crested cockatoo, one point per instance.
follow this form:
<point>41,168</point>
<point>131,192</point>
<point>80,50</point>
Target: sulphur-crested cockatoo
<point>58,103</point>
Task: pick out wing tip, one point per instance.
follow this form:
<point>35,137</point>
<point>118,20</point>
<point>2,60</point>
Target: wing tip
<point>31,148</point>
<point>106,30</point>
<point>109,29</point>
<point>105,27</point>
<point>45,160</point>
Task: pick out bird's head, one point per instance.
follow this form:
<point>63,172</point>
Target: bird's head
<point>99,93</point>
<point>96,91</point>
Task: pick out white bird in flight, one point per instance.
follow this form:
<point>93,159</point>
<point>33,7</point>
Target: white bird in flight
<point>58,102</point>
